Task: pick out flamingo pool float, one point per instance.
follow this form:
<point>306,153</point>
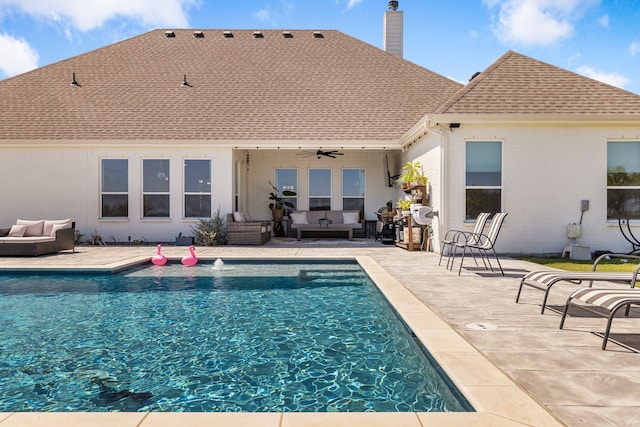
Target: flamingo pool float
<point>158,258</point>
<point>190,259</point>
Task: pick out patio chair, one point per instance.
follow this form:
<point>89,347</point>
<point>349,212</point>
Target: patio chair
<point>545,279</point>
<point>483,243</point>
<point>452,236</point>
<point>242,231</point>
<point>610,300</point>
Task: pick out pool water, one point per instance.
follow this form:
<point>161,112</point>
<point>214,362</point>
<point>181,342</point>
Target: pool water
<point>276,336</point>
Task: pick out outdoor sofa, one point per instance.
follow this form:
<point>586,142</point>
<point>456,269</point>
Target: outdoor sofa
<point>37,237</point>
<point>324,222</point>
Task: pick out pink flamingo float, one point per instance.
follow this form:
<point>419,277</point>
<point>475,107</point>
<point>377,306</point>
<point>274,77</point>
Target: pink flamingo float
<point>158,258</point>
<point>190,259</point>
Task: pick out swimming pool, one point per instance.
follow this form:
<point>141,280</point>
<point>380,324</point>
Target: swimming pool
<point>276,336</point>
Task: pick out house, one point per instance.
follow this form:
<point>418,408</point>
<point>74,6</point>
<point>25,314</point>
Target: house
<point>142,137</point>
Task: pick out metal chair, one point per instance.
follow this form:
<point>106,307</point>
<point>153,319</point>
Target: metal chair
<point>482,243</point>
<point>452,236</point>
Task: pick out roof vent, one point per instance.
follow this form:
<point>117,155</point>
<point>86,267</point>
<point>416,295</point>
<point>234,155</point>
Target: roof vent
<point>74,82</point>
<point>228,34</point>
<point>287,34</point>
<point>258,35</point>
<point>476,74</point>
<point>198,34</point>
<point>317,35</point>
<point>169,34</point>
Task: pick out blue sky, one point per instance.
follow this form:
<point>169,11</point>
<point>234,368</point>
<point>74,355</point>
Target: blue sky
<point>596,38</point>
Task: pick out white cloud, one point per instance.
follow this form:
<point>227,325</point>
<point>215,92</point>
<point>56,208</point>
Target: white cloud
<point>536,22</point>
<point>88,15</point>
<point>16,56</point>
<point>634,48</point>
<point>353,3</point>
<point>262,15</point>
<point>604,21</point>
<point>610,78</point>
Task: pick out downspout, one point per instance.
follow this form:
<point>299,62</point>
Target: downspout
<point>443,132</point>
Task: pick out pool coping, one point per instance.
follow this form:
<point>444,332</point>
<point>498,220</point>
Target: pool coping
<point>497,400</point>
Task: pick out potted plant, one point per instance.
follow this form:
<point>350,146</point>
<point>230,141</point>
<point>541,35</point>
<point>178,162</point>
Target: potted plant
<point>278,203</point>
<point>404,205</point>
<point>412,174</point>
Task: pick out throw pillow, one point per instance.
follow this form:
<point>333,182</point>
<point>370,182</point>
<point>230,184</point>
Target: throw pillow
<point>17,230</point>
<point>238,217</point>
<point>57,227</point>
<point>247,217</point>
<point>350,217</point>
<point>48,225</point>
<point>34,228</point>
<point>299,217</point>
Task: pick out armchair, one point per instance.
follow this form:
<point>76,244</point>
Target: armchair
<point>242,231</point>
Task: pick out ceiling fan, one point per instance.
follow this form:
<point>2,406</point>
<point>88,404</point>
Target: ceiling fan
<point>326,153</point>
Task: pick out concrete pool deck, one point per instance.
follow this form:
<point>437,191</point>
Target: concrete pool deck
<point>513,364</point>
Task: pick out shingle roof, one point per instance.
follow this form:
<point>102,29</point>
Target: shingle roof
<point>275,87</point>
<point>517,84</point>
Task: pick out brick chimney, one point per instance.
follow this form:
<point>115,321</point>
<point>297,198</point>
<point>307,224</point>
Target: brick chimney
<point>392,29</point>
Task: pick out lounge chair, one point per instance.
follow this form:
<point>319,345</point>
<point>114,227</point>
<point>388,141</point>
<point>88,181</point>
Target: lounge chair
<point>453,236</point>
<point>609,299</point>
<point>483,243</point>
<point>545,279</point>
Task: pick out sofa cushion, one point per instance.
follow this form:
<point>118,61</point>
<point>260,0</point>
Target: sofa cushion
<point>351,217</point>
<point>314,217</point>
<point>335,217</point>
<point>239,217</point>
<point>17,230</point>
<point>299,217</point>
<point>47,230</point>
<point>34,239</point>
<point>34,228</point>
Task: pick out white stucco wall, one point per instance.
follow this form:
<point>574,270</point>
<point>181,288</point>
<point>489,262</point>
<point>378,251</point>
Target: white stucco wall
<point>64,182</point>
<point>547,171</point>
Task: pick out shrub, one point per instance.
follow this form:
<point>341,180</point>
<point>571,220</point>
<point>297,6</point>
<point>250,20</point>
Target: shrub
<point>210,231</point>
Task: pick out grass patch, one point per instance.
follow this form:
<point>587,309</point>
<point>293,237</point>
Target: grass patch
<point>613,264</point>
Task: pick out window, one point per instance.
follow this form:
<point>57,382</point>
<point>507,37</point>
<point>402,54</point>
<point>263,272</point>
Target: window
<point>197,188</point>
<point>114,197</point>
<point>483,178</point>
<point>319,189</point>
<point>287,180</point>
<point>155,188</point>
<point>353,190</point>
<point>623,179</point>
